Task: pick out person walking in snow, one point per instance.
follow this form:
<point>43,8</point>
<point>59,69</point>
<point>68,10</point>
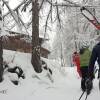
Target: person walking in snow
<point>95,56</point>
<point>76,61</point>
<point>84,62</point>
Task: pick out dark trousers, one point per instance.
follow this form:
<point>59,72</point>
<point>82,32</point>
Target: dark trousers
<point>84,72</point>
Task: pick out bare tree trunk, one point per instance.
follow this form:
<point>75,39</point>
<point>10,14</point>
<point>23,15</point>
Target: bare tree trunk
<point>36,62</point>
<point>62,57</point>
<point>1,60</point>
<point>1,49</point>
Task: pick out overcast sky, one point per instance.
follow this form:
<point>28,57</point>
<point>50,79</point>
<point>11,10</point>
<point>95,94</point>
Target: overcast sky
<point>14,3</point>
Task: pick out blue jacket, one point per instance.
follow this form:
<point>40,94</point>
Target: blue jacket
<point>94,56</point>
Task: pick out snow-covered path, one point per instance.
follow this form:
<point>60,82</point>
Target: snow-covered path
<point>66,85</point>
<point>65,89</point>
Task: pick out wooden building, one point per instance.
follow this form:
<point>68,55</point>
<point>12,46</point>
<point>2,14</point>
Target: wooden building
<point>22,43</point>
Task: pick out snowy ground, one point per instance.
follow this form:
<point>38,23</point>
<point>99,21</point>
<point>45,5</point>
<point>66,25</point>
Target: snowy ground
<point>66,85</point>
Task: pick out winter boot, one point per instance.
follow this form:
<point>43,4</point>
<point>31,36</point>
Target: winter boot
<point>89,86</point>
<point>83,86</point>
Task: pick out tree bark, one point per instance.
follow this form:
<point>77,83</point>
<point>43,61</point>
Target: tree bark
<point>36,62</point>
<point>1,60</point>
<point>1,49</point>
